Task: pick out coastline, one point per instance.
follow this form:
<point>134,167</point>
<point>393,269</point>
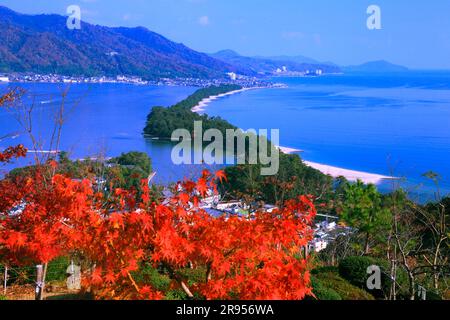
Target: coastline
<point>336,172</point>
<point>201,106</point>
<point>350,175</point>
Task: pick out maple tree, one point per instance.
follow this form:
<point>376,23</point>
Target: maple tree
<point>242,258</point>
<point>44,215</point>
<point>12,153</point>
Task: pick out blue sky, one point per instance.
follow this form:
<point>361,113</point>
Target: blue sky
<point>415,33</point>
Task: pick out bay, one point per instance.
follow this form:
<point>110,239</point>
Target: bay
<point>396,124</point>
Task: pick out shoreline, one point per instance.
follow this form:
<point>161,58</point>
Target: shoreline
<point>335,172</point>
<point>201,106</point>
<point>350,175</point>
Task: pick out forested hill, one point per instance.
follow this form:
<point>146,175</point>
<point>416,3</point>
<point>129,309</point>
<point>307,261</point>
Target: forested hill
<point>161,121</point>
<point>269,65</point>
<point>44,44</point>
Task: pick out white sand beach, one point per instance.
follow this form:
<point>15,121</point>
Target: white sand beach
<point>335,172</point>
<point>350,175</point>
<point>288,150</point>
<point>200,107</point>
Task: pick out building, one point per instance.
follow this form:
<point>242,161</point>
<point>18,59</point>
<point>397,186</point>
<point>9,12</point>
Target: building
<point>318,245</point>
<point>232,75</point>
<point>222,206</point>
<point>325,233</point>
<point>4,79</point>
<point>269,208</point>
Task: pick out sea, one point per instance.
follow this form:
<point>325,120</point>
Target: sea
<point>390,124</point>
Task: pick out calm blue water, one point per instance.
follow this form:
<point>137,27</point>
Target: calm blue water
<point>378,124</point>
<point>99,119</point>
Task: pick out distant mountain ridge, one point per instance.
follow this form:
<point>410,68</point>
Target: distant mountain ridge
<point>296,59</point>
<point>268,65</point>
<point>376,67</point>
<point>43,44</point>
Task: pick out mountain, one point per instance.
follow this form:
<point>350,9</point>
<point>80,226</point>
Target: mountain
<point>376,67</point>
<point>296,59</point>
<point>43,44</point>
<point>263,65</point>
<point>250,64</point>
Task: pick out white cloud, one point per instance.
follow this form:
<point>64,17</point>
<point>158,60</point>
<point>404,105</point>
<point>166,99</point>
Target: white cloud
<point>203,21</point>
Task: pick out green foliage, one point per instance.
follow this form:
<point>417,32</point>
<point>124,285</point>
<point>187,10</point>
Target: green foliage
<point>362,209</point>
<point>322,292</point>
<point>203,93</point>
<point>433,296</point>
<point>72,297</point>
<point>293,179</point>
<point>162,122</point>
<point>176,295</point>
<point>3,298</point>
<point>136,160</point>
<point>131,168</point>
<point>345,290</point>
<point>57,269</point>
<point>354,270</point>
<point>159,279</point>
<point>325,269</point>
<point>149,275</point>
<point>126,171</point>
<point>43,44</point>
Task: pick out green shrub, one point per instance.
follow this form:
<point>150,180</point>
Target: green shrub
<point>21,275</point>
<point>433,296</point>
<point>354,270</point>
<point>72,297</point>
<point>56,270</point>
<point>147,274</point>
<point>322,292</point>
<point>176,295</point>
<point>325,269</point>
<point>2,298</point>
<point>347,291</point>
<point>159,279</point>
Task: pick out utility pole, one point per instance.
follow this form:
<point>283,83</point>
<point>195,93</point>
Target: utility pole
<point>39,282</point>
<point>5,280</point>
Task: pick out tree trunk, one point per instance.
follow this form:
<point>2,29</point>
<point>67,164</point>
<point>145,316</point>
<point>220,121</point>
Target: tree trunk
<point>5,280</point>
<point>393,291</point>
<point>435,262</point>
<point>412,286</point>
<point>366,246</point>
<point>39,277</point>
